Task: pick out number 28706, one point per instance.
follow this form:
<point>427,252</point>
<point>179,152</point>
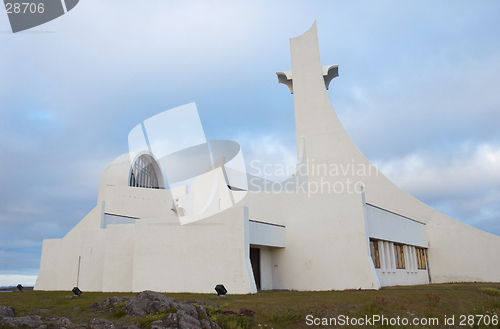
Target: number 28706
<point>24,8</point>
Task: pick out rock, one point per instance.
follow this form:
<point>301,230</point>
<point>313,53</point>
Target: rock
<point>205,324</point>
<point>202,312</point>
<point>6,311</point>
<point>148,302</point>
<point>107,304</point>
<point>183,316</point>
<point>188,322</point>
<point>101,324</point>
<point>32,321</point>
<point>170,321</point>
<point>157,325</point>
<point>183,320</point>
<point>186,309</point>
<point>60,322</point>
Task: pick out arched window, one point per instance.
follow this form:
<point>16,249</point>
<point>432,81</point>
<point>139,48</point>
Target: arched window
<point>143,173</point>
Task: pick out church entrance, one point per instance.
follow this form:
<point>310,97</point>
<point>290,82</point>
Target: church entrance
<point>255,261</point>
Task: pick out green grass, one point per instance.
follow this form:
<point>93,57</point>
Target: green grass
<point>490,291</point>
<point>145,322</point>
<point>286,309</point>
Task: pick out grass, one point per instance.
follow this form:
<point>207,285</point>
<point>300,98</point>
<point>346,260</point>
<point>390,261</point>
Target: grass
<point>288,309</point>
<point>145,322</point>
<point>490,291</point>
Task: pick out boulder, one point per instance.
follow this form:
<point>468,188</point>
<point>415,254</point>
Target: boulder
<point>101,324</point>
<point>108,304</point>
<point>184,315</point>
<point>60,322</point>
<point>186,309</point>
<point>183,321</point>
<point>202,312</point>
<point>148,302</point>
<point>32,321</point>
<point>6,311</point>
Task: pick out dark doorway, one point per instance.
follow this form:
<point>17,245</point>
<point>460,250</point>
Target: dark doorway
<point>255,261</point>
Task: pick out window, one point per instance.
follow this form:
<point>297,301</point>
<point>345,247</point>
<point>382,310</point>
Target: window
<point>421,258</point>
<point>143,173</point>
<point>375,253</point>
<point>399,255</point>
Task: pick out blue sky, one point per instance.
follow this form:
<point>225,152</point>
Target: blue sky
<point>418,91</point>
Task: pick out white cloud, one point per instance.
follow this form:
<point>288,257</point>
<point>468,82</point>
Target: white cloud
<point>270,150</point>
<point>464,185</point>
<point>7,280</point>
<point>441,174</point>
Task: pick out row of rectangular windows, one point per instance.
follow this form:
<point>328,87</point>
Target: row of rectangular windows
<point>393,255</point>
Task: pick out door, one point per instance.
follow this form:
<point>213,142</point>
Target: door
<point>255,261</point>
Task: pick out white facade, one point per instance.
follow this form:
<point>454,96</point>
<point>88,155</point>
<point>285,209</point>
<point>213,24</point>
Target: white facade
<point>337,223</point>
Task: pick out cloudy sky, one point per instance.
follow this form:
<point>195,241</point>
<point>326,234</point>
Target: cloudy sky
<point>418,91</point>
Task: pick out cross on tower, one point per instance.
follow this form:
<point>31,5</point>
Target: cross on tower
<point>329,72</point>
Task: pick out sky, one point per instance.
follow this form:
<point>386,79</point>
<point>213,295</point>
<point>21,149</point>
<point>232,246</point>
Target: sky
<point>418,92</point>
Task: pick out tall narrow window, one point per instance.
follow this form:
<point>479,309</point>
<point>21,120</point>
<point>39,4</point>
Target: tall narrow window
<point>421,258</point>
<point>143,173</point>
<point>375,253</point>
<point>399,255</point>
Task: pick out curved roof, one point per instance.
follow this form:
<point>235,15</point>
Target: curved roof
<point>117,173</point>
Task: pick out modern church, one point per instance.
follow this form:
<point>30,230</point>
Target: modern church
<point>336,223</point>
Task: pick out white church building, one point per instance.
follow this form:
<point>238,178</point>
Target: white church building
<point>336,223</point>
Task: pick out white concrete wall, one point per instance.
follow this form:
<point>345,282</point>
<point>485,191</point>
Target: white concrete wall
<point>402,278</point>
<point>136,202</point>
<point>193,257</point>
<point>267,234</point>
<point>326,244</point>
<point>92,260</point>
<point>59,264</point>
<point>266,266</point>
<point>460,253</point>
<point>119,258</point>
<point>388,226</point>
<point>48,276</point>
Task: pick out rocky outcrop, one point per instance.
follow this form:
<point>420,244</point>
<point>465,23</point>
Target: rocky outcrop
<point>60,322</point>
<point>32,321</point>
<point>177,315</point>
<point>101,324</point>
<point>6,311</point>
<point>148,302</point>
<point>180,315</point>
<point>181,320</point>
<point>108,304</point>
